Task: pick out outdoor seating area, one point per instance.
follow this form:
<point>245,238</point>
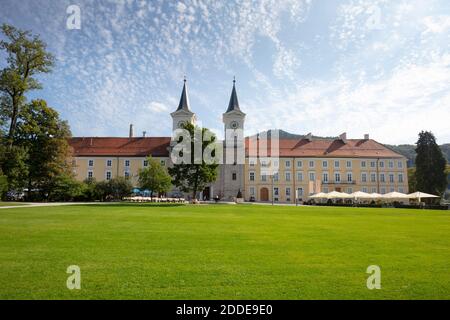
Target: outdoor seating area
<point>155,199</point>
<point>361,197</point>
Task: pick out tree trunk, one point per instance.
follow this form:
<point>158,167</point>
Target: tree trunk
<point>12,126</point>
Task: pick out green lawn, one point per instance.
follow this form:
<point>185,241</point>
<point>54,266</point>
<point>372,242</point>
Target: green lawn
<point>223,252</point>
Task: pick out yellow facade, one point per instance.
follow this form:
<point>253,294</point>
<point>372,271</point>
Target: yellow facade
<point>312,175</point>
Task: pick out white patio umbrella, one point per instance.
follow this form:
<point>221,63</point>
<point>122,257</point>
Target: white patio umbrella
<point>360,195</point>
<point>375,195</point>
<point>319,195</point>
<point>418,195</point>
<point>338,195</point>
<point>395,195</point>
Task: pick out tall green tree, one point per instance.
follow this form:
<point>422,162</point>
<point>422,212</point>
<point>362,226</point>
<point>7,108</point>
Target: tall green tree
<point>189,176</point>
<point>45,137</point>
<point>430,165</point>
<point>26,57</point>
<point>154,177</point>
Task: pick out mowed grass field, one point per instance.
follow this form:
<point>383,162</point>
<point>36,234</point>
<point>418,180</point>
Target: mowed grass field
<point>128,251</point>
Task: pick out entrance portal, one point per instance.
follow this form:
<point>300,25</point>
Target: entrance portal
<point>264,194</point>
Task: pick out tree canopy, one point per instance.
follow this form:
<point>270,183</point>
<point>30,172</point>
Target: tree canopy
<point>190,176</point>
<point>430,165</point>
<point>154,177</point>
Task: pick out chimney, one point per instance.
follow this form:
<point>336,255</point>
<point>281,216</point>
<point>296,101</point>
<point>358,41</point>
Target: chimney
<point>366,136</point>
<point>309,137</point>
<point>343,137</point>
<point>144,133</point>
<point>131,131</point>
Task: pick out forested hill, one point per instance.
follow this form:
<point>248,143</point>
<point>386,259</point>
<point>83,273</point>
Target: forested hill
<point>407,150</point>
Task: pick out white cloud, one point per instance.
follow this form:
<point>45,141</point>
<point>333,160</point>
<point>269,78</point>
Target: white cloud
<point>157,107</point>
<point>437,24</point>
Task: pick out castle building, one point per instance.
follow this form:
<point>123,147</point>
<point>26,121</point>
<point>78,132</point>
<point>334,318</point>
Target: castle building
<point>302,166</point>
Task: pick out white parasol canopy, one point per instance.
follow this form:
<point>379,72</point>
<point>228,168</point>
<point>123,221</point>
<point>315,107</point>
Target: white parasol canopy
<point>395,195</point>
<point>319,195</point>
<point>361,195</point>
<point>338,195</point>
<point>418,195</point>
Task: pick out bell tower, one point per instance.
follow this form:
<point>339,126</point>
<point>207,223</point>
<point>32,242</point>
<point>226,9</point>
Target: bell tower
<point>234,148</point>
<point>183,114</point>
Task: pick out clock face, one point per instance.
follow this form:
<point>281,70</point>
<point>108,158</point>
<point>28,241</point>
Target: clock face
<point>180,124</point>
<point>234,125</point>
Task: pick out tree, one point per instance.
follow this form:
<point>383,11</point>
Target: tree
<point>64,187</point>
<point>114,189</point>
<point>412,183</point>
<point>154,177</point>
<point>3,184</point>
<point>45,138</point>
<point>120,187</point>
<point>192,177</point>
<point>26,57</point>
<point>430,165</point>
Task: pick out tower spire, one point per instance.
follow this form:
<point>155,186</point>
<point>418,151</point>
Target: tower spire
<point>234,103</point>
<point>184,99</point>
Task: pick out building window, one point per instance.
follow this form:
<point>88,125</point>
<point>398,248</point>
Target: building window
<point>287,164</point>
<point>325,177</point>
<point>288,192</point>
<point>400,164</point>
<point>363,177</point>
<point>364,189</point>
<point>252,162</point>
<point>127,174</point>
<point>381,164</point>
<point>374,190</point>
<point>287,176</point>
<point>275,176</point>
<point>391,178</point>
<point>373,177</point>
<point>109,163</point>
<point>90,174</point>
<point>400,189</point>
<point>324,164</point>
<point>90,163</point>
<point>400,177</point>
<point>349,164</point>
<point>300,176</point>
<point>325,189</point>
<point>372,164</point>
<point>311,163</point>
<point>263,177</point>
<point>252,191</point>
<point>363,164</point>
<point>127,163</point>
<point>299,192</point>
<point>163,162</point>
<point>383,190</point>
<point>252,176</point>
<point>233,176</point>
<point>391,189</point>
<point>263,163</point>
<point>349,177</point>
<point>382,177</point>
<point>350,190</point>
<point>337,177</point>
<point>275,164</point>
<point>312,176</point>
<point>391,164</point>
<point>336,164</point>
<point>145,163</point>
<point>275,191</point>
<point>299,164</point>
<point>108,175</point>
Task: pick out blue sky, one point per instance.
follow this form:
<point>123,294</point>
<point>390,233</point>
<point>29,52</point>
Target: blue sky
<point>326,67</point>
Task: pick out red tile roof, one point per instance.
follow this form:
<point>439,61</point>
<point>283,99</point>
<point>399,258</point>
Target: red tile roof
<point>329,148</point>
<point>156,146</point>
